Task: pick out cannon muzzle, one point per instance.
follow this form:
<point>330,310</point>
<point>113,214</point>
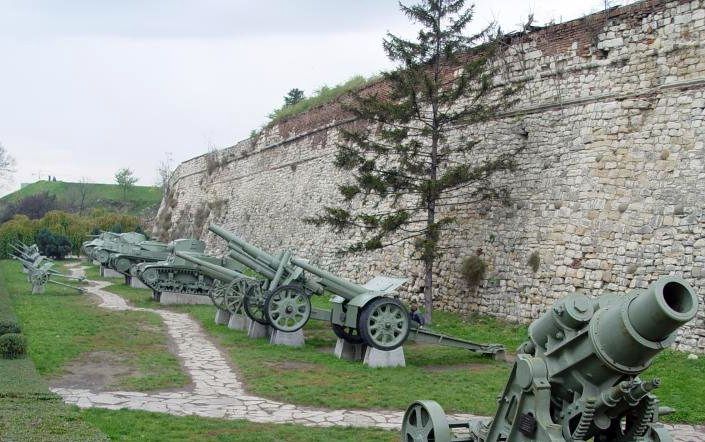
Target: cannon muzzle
<point>630,332</point>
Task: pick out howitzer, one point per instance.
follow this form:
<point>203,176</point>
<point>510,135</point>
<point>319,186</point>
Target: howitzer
<point>577,377</point>
<point>360,313</point>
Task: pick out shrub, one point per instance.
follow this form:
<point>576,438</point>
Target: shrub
<point>13,345</point>
<point>534,261</point>
<point>473,270</point>
<point>9,326</point>
<point>53,246</point>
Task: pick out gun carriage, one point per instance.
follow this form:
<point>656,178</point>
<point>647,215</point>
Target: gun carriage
<point>279,296</point>
<point>40,270</point>
<point>577,377</point>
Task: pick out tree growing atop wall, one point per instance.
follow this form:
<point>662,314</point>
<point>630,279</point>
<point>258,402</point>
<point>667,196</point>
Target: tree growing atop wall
<point>407,176</point>
<point>294,96</point>
<point>125,179</point>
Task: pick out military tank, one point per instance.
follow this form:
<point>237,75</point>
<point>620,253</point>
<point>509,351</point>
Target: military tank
<point>145,251</point>
<point>97,241</point>
<point>177,275</point>
<point>115,243</point>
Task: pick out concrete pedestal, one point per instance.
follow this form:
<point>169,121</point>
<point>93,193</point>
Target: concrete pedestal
<point>107,272</point>
<point>237,322</point>
<point>257,330</point>
<point>221,316</point>
<point>156,295</point>
<point>38,289</point>
<point>291,339</point>
<point>375,358</point>
<point>135,283</point>
<point>170,298</point>
<point>348,351</point>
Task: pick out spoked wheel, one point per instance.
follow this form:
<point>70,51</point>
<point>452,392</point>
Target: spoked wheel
<point>40,278</point>
<point>425,421</point>
<point>218,294</point>
<point>254,303</point>
<point>235,296</point>
<point>288,308</point>
<point>384,323</point>
<point>349,334</point>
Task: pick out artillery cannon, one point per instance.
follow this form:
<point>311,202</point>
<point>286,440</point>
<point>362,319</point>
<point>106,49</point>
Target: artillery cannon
<point>40,272</point>
<point>361,314</point>
<point>577,377</point>
<point>178,275</point>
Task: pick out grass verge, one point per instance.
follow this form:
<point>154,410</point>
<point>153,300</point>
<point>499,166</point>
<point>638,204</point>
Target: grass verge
<point>64,328</point>
<point>128,425</point>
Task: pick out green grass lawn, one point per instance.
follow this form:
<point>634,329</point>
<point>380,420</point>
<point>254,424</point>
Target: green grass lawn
<point>64,328</point>
<point>128,425</point>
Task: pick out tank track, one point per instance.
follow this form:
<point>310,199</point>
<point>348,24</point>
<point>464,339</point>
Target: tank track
<point>183,280</point>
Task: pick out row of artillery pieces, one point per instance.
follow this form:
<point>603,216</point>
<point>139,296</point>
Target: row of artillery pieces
<point>576,378</point>
<point>40,269</point>
<point>270,295</point>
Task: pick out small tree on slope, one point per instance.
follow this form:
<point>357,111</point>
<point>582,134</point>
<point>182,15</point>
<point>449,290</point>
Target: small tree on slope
<point>407,176</point>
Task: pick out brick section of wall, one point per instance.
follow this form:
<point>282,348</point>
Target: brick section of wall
<point>609,191</point>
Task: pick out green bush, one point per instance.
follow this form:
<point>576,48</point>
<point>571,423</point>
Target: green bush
<point>9,326</point>
<point>13,345</point>
<point>473,270</point>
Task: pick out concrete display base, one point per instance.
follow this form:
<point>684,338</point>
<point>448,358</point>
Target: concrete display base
<point>107,272</point>
<point>291,339</point>
<point>38,289</point>
<point>237,322</point>
<point>257,330</point>
<point>348,351</point>
<point>375,358</point>
<point>221,316</point>
<point>170,298</point>
<point>135,283</point>
<point>156,295</point>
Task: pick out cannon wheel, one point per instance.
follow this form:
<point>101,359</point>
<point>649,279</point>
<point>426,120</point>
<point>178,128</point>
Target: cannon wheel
<point>40,279</point>
<point>288,308</point>
<point>254,303</point>
<point>425,421</point>
<point>349,334</point>
<point>384,323</point>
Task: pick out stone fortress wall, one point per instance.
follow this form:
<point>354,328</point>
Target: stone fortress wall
<point>609,192</point>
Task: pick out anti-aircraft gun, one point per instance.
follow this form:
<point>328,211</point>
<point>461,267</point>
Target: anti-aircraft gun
<point>280,297</point>
<point>577,377</point>
<point>178,275</point>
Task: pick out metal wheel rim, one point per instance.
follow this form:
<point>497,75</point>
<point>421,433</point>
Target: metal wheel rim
<point>235,296</point>
<point>217,294</point>
<point>388,324</point>
<point>254,303</point>
<point>425,421</point>
<point>288,308</point>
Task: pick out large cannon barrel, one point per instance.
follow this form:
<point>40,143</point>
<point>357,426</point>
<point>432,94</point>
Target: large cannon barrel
<point>248,248</point>
<point>627,335</point>
<point>212,270</point>
<point>333,283</point>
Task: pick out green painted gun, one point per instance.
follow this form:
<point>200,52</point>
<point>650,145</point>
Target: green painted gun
<point>577,377</point>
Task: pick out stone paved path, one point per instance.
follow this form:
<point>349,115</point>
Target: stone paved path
<point>217,392</point>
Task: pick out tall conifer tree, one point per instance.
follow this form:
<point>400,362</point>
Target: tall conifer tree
<point>406,172</point>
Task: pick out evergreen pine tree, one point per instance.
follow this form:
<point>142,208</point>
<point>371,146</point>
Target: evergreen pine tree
<point>407,176</point>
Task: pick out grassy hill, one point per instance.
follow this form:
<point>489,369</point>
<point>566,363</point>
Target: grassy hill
<point>107,196</point>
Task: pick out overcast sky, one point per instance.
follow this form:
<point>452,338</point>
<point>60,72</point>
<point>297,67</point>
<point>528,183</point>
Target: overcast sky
<point>90,86</point>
